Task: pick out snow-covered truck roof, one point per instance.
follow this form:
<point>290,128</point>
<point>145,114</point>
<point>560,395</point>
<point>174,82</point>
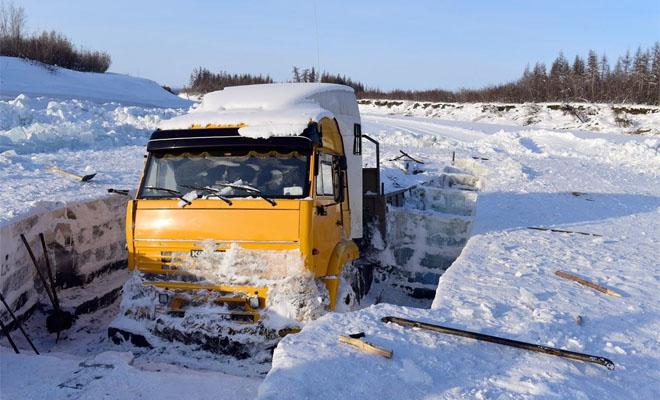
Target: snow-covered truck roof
<point>278,109</point>
<point>285,109</point>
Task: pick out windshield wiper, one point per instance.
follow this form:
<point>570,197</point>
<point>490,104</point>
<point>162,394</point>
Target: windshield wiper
<point>248,189</point>
<point>214,192</point>
<point>172,191</point>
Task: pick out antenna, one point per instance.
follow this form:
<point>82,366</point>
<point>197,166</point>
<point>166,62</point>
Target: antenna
<point>318,51</point>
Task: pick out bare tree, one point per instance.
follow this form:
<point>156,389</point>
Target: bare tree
<point>12,20</point>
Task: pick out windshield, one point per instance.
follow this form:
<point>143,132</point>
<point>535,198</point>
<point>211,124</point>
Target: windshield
<point>278,174</point>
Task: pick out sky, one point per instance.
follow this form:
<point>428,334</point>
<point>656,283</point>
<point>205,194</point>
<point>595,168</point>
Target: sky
<point>412,45</point>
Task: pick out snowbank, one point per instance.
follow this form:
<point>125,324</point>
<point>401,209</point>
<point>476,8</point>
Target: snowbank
<point>80,136</point>
<point>45,125</point>
<point>630,118</point>
<point>35,79</point>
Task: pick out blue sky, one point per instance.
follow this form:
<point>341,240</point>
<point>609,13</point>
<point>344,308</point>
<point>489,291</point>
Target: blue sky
<point>387,44</point>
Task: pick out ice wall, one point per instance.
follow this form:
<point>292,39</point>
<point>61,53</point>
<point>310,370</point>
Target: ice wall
<point>428,232</point>
<point>84,241</point>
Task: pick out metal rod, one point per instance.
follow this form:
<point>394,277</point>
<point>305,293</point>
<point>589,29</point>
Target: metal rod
<point>36,266</point>
<point>374,141</point>
<point>409,156</point>
<point>506,342</point>
<point>17,322</point>
<point>537,228</point>
<point>11,342</point>
<point>50,272</point>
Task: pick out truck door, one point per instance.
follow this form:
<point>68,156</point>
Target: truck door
<point>327,220</point>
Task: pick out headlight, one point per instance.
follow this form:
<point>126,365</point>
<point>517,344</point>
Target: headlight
<point>163,298</point>
<point>254,302</point>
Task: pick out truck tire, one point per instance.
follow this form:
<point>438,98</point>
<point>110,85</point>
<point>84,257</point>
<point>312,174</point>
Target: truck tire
<point>353,287</point>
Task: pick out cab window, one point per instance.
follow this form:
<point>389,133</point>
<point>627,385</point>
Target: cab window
<point>324,180</point>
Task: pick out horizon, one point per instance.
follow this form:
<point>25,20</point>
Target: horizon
<point>382,45</point>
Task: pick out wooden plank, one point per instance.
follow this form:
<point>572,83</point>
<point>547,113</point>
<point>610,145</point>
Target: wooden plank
<point>587,283</point>
<point>366,346</point>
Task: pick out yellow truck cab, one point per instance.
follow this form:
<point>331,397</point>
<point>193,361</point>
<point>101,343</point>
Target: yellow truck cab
<point>270,168</point>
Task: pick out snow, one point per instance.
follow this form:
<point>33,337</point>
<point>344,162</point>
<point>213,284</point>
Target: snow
<point>292,290</point>
<point>630,118</point>
<point>503,283</point>
<point>272,96</point>
<point>549,174</point>
<point>283,109</point>
<point>18,76</point>
<point>110,375</point>
<point>79,136</point>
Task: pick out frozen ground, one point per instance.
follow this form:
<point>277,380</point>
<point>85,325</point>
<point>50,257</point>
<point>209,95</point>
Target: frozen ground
<point>503,284</point>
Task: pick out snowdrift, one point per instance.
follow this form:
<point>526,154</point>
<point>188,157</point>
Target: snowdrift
<point>18,76</point>
<point>629,118</point>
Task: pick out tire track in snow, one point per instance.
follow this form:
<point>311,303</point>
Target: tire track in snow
<point>433,128</point>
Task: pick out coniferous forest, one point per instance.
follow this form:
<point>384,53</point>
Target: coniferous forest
<point>634,78</point>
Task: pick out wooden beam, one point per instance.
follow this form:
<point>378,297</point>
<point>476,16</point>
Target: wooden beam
<point>587,283</point>
<point>366,346</point>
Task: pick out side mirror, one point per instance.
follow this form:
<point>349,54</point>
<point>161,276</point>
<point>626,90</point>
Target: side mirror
<point>340,187</point>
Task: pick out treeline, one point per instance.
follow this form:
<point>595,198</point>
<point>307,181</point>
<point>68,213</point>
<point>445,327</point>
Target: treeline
<point>633,79</point>
<point>50,48</point>
<point>203,81</point>
<point>311,75</point>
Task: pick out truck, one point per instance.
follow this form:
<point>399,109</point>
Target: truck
<point>245,222</point>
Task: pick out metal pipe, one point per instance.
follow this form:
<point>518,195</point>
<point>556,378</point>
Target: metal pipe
<point>36,266</point>
<point>374,141</point>
<point>17,322</point>
<point>50,272</point>
<point>506,342</point>
<point>11,342</point>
